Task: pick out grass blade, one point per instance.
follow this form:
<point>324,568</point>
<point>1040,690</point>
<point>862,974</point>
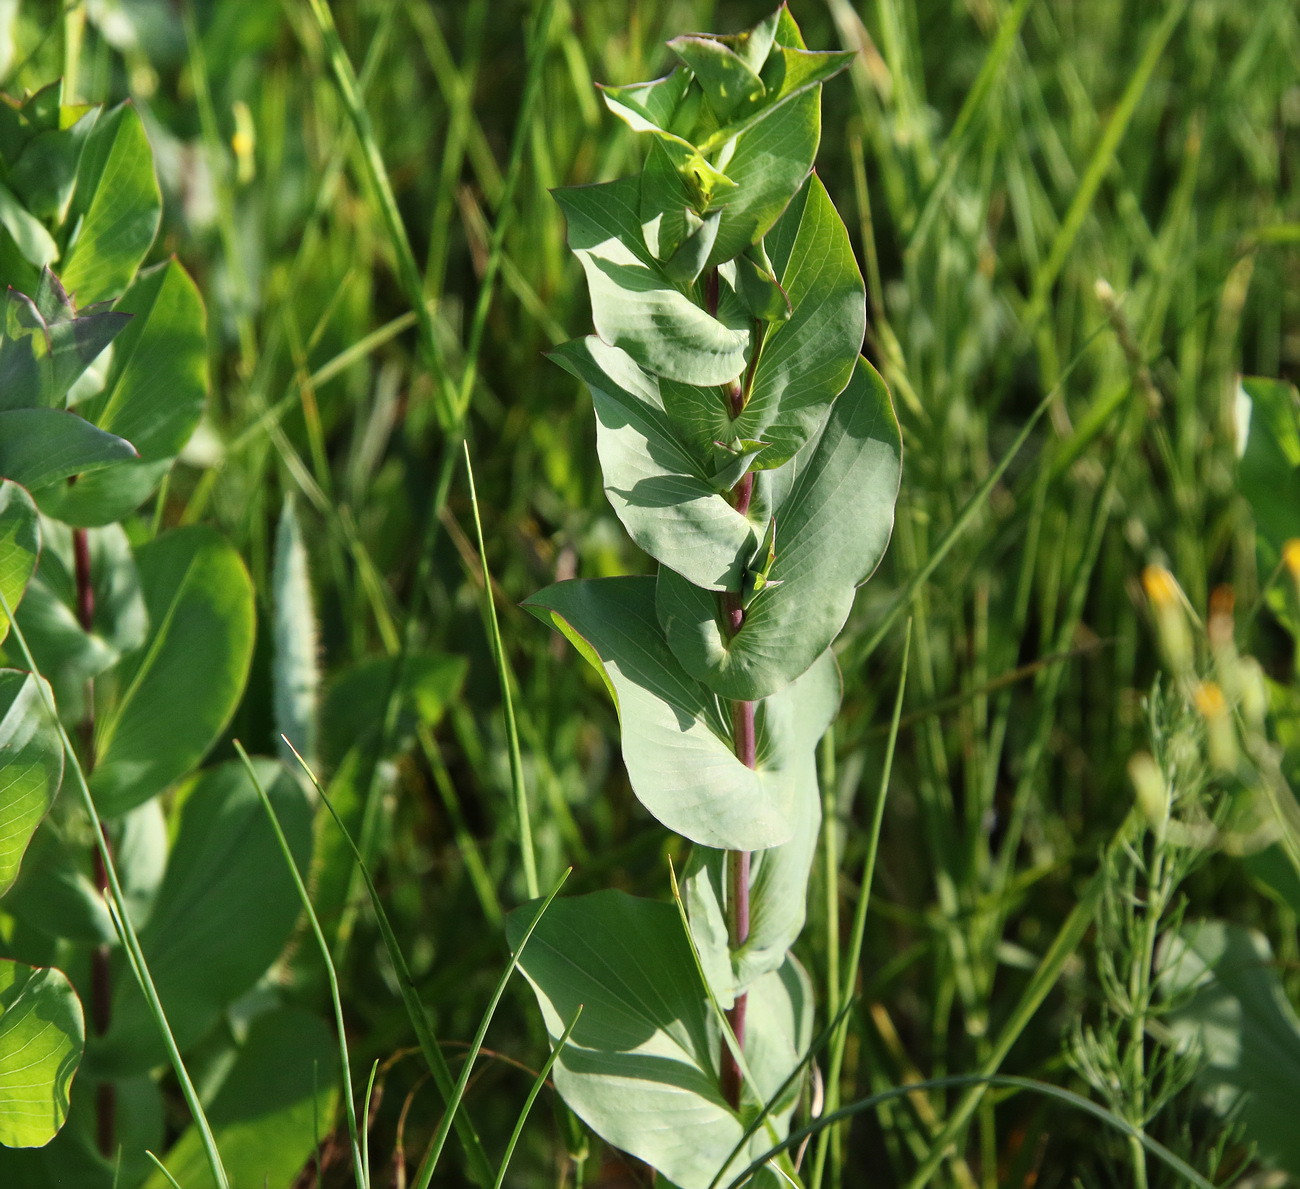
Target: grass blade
<point>121,918</point>
<point>518,792</point>
<point>480,1169</point>
<point>430,1163</point>
<point>358,1161</point>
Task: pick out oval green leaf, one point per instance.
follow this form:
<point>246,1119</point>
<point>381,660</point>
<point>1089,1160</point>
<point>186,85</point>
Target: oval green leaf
<point>633,303</point>
<point>176,694</point>
<point>43,446</point>
<point>41,1037</point>
<point>676,744</point>
<point>641,1065</point>
<point>31,765</point>
<point>225,909</point>
<point>20,546</point>
<point>654,483</point>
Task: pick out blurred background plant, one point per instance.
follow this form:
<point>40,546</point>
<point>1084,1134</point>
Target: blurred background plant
<point>1076,229</point>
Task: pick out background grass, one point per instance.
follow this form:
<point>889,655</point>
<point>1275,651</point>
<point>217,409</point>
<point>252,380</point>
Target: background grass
<point>1087,206</point>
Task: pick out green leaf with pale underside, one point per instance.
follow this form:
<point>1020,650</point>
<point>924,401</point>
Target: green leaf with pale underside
<point>20,546</point>
<point>676,741</point>
<point>641,1065</point>
<point>659,490</point>
<point>634,304</point>
<point>31,765</point>
<point>832,529</point>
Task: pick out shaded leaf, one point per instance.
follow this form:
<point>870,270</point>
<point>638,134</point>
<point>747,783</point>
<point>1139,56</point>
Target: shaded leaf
<point>65,654</point>
<point>641,1066</point>
<point>153,396</point>
<point>48,344</point>
<point>34,242</point>
<point>42,446</point>
<point>658,489</point>
<point>1229,1003</point>
<point>274,1105</point>
<point>162,721</point>
<point>353,709</point>
<point>226,879</point>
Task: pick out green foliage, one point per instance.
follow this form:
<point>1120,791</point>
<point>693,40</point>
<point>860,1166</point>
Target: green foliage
<point>199,604</point>
<point>1230,1009</point>
<point>270,1107</point>
<point>41,1034</point>
<point>146,640</point>
<point>645,1047</point>
<point>1075,230</point>
<point>752,452</point>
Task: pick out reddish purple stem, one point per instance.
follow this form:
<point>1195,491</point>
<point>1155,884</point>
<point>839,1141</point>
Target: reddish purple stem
<point>100,974</point>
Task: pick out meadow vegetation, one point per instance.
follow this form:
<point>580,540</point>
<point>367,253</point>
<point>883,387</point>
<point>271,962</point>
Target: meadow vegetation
<point>1058,831</point>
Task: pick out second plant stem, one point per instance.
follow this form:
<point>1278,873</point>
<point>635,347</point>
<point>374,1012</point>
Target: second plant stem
<point>100,984</point>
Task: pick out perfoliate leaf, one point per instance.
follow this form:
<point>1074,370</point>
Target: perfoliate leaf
<point>835,523</point>
<point>804,362</point>
<point>664,497</point>
<point>778,876</point>
<point>641,1065</point>
<point>676,739</point>
<point>634,304</point>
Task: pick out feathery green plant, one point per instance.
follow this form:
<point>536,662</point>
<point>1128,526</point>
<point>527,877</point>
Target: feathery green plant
<point>753,453</point>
